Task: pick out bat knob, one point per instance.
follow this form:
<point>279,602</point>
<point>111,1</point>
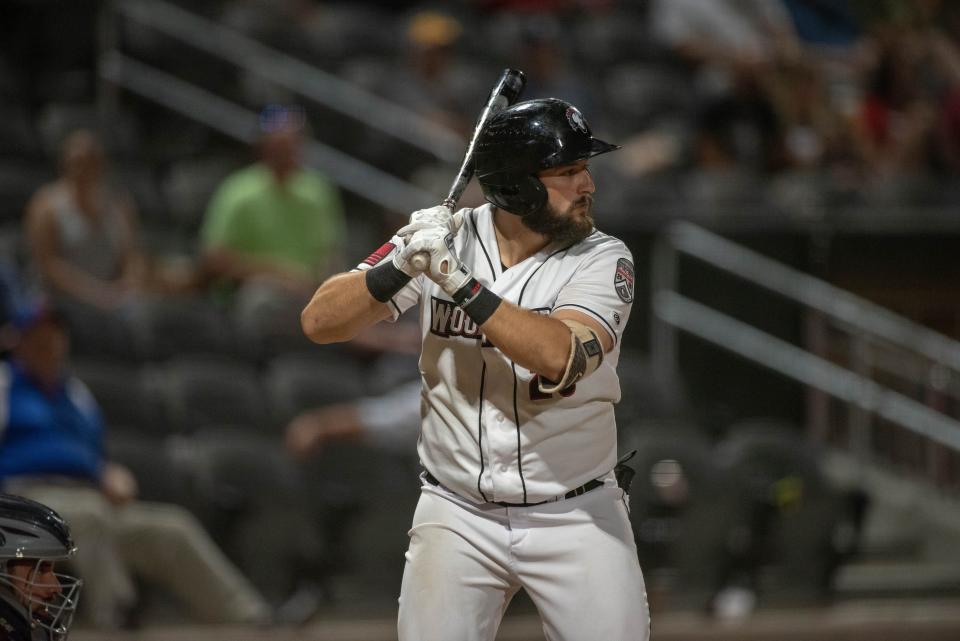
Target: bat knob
<point>420,261</point>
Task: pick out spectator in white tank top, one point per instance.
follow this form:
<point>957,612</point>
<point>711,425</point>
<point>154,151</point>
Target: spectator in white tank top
<point>83,234</point>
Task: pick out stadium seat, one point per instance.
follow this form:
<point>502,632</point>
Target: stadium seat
<point>140,182</point>
<point>642,91</point>
<point>683,514</point>
<point>767,450</point>
<point>12,245</point>
<point>98,334</point>
<point>646,393</point>
<point>255,498</point>
<point>267,322</point>
<point>236,468</point>
<point>800,195</point>
<point>659,192</point>
<point>164,241</point>
<point>794,512</point>
<point>391,370</point>
<point>189,185</point>
<point>714,196</point>
<point>345,31</point>
<point>297,382</point>
<point>118,131</point>
<point>18,137</point>
<point>198,391</point>
<point>168,327</point>
<point>19,180</point>
<point>124,394</point>
<point>367,72</point>
<point>160,476</point>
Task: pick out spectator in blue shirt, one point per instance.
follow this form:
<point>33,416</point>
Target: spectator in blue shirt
<point>52,425</point>
<point>51,450</point>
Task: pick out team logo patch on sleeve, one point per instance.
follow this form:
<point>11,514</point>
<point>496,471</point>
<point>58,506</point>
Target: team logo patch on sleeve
<point>379,255</point>
<point>623,280</point>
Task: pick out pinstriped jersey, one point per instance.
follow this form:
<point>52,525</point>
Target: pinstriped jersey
<point>487,432</point>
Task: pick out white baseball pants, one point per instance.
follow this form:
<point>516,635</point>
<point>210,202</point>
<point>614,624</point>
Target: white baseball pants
<point>576,558</point>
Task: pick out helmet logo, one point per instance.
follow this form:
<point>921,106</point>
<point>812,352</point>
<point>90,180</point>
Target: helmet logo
<point>575,118</point>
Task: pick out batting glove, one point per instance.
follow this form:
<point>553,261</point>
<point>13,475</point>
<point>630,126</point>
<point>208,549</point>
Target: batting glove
<point>445,269</point>
<point>439,217</point>
<point>401,260</point>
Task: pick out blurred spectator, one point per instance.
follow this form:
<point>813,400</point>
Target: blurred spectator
<point>742,127</point>
<point>832,24</point>
<point>937,72</point>
<point>391,420</point>
<point>825,24</point>
<point>813,131</point>
<point>725,35</point>
<point>430,79</point>
<point>276,220</point>
<point>9,293</point>
<point>83,233</point>
<point>542,6</point>
<point>52,451</point>
<point>543,59</point>
<point>897,118</point>
<point>274,230</point>
<point>737,139</point>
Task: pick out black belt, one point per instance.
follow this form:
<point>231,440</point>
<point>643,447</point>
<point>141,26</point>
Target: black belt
<point>577,491</point>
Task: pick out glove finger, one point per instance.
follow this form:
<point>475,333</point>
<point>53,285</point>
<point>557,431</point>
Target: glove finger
<point>439,215</point>
<point>436,210</point>
<point>433,221</point>
<point>411,228</point>
<point>416,244</point>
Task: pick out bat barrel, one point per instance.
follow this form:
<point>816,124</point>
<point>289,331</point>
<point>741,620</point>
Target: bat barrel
<point>504,94</point>
<point>511,85</point>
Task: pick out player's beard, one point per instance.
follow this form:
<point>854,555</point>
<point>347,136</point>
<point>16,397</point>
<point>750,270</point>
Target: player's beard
<point>563,228</point>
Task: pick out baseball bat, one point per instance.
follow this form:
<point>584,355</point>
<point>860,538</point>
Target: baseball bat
<point>504,93</point>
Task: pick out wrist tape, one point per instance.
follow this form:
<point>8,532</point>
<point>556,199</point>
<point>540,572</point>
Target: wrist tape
<point>477,301</point>
<point>385,280</point>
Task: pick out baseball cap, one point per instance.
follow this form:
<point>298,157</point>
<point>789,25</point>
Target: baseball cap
<point>433,29</point>
<point>278,117</point>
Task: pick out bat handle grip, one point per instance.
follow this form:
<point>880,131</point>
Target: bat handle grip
<point>421,260</point>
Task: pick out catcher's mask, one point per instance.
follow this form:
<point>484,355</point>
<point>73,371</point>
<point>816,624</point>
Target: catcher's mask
<point>32,538</point>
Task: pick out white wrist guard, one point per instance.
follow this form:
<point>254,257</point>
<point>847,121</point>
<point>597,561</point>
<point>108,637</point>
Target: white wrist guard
<point>586,354</point>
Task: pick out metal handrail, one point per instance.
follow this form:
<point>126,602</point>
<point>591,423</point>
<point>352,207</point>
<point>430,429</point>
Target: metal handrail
<point>241,124</point>
<point>297,76</point>
<point>814,293</point>
<point>859,317</point>
<point>778,355</point>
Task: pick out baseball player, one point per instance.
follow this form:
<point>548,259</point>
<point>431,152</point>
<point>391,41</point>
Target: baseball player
<point>522,309</point>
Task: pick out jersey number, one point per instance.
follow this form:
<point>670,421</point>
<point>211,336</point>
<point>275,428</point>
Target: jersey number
<point>537,395</point>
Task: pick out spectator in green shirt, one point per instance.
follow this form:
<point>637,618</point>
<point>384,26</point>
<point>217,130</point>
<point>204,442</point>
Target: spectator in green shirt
<point>275,222</point>
<point>272,232</point>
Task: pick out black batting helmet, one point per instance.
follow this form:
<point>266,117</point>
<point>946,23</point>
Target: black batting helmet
<point>524,139</point>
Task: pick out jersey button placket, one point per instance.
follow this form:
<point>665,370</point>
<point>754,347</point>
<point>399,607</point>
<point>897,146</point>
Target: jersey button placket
<point>503,446</point>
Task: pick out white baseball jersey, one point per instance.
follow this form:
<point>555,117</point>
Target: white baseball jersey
<point>488,433</point>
